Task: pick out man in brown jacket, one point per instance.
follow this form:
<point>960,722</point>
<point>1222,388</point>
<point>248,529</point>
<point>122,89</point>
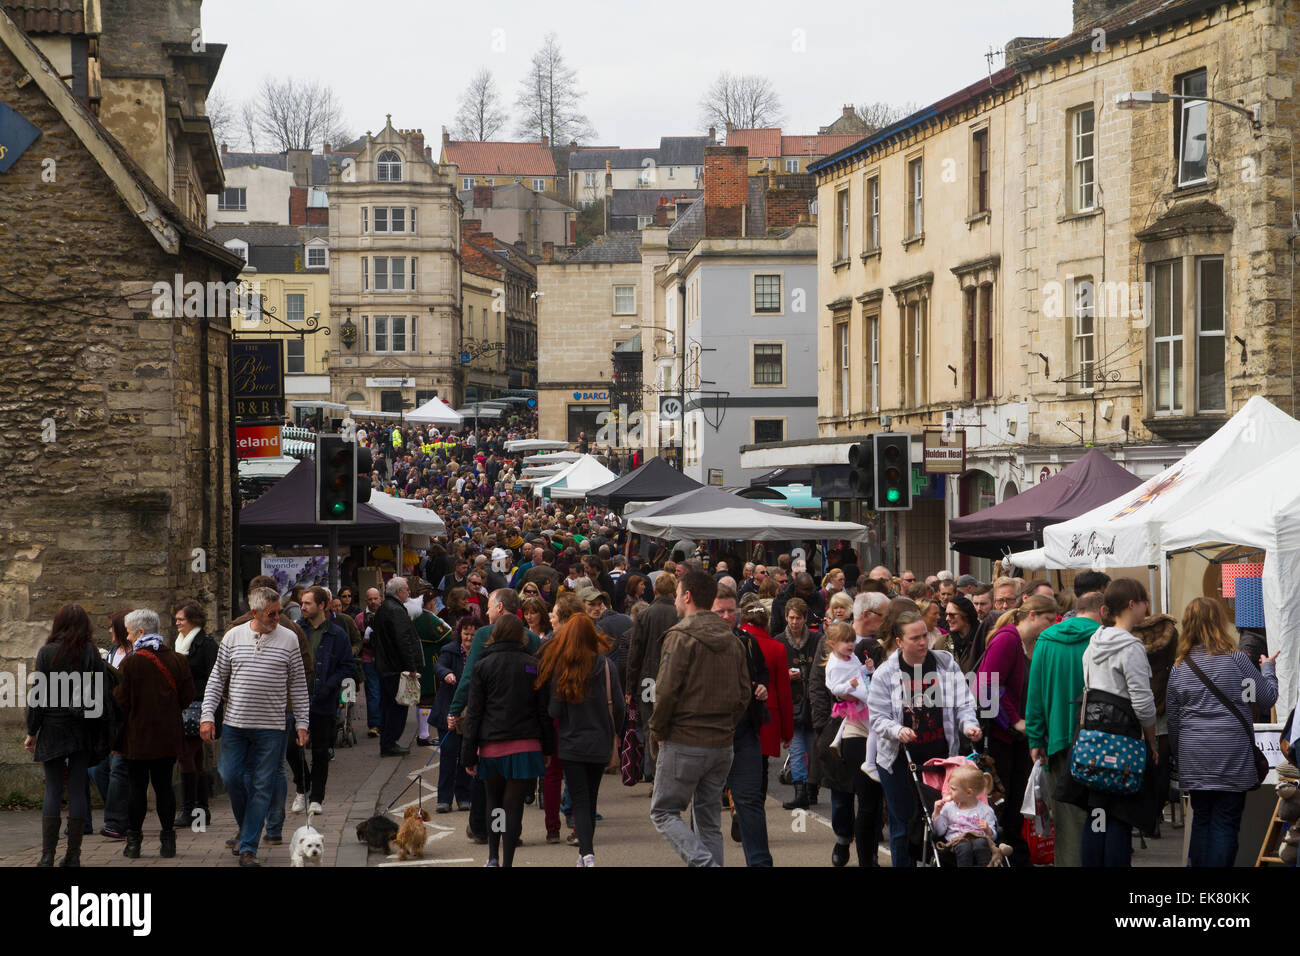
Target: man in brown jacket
<point>701,693</point>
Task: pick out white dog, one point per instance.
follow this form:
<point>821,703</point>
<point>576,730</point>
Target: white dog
<point>307,847</point>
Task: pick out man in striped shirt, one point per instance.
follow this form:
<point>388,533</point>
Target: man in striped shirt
<point>258,675</point>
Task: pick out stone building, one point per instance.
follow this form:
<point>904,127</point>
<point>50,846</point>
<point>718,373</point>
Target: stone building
<point>1027,263</point>
<point>117,479</point>
<point>591,302</point>
<point>515,213</point>
<point>394,248</point>
<point>499,313</point>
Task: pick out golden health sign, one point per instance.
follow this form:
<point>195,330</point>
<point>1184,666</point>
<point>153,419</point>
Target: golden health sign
<point>944,452</point>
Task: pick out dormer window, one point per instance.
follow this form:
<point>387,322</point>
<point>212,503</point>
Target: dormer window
<point>388,168</point>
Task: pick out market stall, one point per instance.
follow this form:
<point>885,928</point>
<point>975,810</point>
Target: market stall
<point>713,513</point>
<point>1017,524</point>
<point>434,412</point>
<point>653,481</point>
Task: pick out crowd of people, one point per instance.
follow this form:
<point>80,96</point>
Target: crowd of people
<point>549,651</point>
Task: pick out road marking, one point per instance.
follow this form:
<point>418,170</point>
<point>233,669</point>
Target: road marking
<point>466,859</point>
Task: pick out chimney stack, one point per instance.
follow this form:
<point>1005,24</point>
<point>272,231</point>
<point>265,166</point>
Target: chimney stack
<point>326,149</point>
<point>469,227</point>
<point>548,252</point>
<point>428,152</point>
<point>446,137</point>
<point>224,148</point>
<point>1086,11</point>
<point>417,141</point>
<point>726,189</point>
<point>546,141</point>
<point>482,197</point>
<point>713,133</point>
<point>848,111</point>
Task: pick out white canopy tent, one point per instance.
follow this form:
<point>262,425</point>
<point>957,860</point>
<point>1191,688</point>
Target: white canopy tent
<point>480,411</point>
<point>1129,531</point>
<point>1262,511</point>
<point>266,467</point>
<point>536,444</point>
<point>554,458</point>
<point>413,518</point>
<point>714,513</point>
<point>435,412</point>
<point>576,479</point>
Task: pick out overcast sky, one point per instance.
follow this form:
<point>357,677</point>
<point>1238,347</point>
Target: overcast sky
<point>643,66</point>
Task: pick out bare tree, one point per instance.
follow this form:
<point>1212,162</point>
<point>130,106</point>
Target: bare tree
<point>248,123</point>
<point>223,114</point>
<point>876,116</point>
<point>740,101</point>
<point>294,114</point>
<point>548,98</point>
<point>480,116</point>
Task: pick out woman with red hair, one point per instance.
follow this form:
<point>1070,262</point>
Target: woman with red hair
<point>585,700</point>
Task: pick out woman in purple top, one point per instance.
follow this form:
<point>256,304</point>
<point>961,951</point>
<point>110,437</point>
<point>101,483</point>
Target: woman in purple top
<point>1002,677</point>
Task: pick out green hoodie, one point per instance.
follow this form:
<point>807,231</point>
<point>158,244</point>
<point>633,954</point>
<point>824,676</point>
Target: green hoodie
<point>1055,683</point>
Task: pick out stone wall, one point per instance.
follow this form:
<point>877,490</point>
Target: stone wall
<point>134,475</point>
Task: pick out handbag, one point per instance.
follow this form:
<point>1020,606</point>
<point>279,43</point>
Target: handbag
<point>1261,762</point>
<point>1111,763</point>
<point>633,754</point>
<point>614,757</point>
<point>408,690</point>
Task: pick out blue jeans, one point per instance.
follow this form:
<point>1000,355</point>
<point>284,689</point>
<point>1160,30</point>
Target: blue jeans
<point>1216,821</point>
<point>1112,846</point>
<point>248,765</point>
<point>900,798</point>
<point>745,781</point>
<point>799,755</point>
<point>372,695</point>
<point>111,782</point>
<point>280,787</point>
<point>452,778</point>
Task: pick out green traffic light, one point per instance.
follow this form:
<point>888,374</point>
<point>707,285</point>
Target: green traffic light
<point>339,507</point>
<point>893,495</point>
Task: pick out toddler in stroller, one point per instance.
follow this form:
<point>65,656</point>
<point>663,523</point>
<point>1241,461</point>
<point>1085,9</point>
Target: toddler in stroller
<point>963,825</point>
<point>963,822</point>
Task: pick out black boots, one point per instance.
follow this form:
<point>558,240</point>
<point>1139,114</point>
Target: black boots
<point>813,790</point>
<point>76,830</point>
<point>168,844</point>
<point>800,801</point>
<point>134,838</point>
<point>49,840</point>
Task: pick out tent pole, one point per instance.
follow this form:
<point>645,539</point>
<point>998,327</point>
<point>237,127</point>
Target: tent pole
<point>1151,586</point>
<point>334,558</point>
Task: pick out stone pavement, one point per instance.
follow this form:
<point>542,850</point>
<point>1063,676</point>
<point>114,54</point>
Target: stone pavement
<point>362,782</point>
<point>357,774</point>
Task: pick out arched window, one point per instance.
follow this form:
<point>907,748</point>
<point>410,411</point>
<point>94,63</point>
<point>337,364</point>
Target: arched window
<point>389,167</point>
<point>354,398</point>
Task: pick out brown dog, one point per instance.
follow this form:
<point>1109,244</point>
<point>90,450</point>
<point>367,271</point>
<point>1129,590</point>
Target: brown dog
<point>412,834</point>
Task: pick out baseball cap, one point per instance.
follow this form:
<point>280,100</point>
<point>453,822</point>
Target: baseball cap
<point>587,595</point>
<point>968,581</point>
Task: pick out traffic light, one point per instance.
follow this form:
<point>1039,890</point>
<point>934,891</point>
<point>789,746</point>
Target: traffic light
<point>336,480</point>
<point>893,464</point>
<point>365,465</point>
<point>862,472</point>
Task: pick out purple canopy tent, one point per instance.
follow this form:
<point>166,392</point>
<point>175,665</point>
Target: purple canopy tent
<point>1017,524</point>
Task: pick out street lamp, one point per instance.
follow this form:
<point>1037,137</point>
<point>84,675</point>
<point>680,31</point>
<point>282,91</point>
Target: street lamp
<point>1141,99</point>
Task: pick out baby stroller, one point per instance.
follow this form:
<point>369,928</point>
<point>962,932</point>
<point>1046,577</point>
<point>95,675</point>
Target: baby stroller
<point>931,783</point>
<point>344,735</point>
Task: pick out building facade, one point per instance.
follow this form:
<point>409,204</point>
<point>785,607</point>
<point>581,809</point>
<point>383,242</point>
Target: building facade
<point>515,213</point>
<point>590,302</point>
<point>769,149</point>
<point>1027,264</point>
<point>394,247</point>
<point>501,164</point>
<point>118,479</point>
<point>676,164</point>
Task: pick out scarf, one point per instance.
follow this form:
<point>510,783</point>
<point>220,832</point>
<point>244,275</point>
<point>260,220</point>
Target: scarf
<point>183,641</point>
<point>151,642</point>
